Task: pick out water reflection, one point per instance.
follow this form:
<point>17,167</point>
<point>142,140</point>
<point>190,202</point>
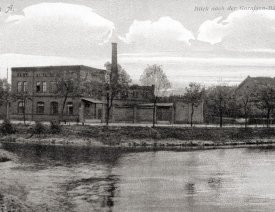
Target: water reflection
<point>63,178</point>
<point>55,178</point>
<point>60,154</point>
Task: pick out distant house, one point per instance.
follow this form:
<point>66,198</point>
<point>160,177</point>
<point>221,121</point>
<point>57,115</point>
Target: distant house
<point>250,86</point>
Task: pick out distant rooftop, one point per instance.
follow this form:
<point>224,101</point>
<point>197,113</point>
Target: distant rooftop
<point>259,81</point>
<point>56,67</point>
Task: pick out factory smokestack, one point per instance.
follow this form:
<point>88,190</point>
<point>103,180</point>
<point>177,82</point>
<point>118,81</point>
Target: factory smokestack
<point>114,68</point>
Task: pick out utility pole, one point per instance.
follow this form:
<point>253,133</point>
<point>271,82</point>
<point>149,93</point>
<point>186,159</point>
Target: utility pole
<point>7,98</point>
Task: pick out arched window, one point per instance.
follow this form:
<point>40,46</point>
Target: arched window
<point>21,107</point>
<point>54,108</point>
<point>70,108</point>
<point>40,108</point>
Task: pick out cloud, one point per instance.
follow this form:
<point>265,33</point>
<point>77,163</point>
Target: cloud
<point>55,29</point>
<point>241,30</point>
<point>161,34</point>
<point>208,71</point>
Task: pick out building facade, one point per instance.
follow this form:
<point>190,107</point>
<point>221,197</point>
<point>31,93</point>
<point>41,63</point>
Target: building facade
<point>37,98</point>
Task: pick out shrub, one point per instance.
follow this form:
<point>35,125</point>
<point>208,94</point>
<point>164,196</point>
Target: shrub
<point>39,128</point>
<point>7,128</point>
<point>55,127</point>
<point>154,133</point>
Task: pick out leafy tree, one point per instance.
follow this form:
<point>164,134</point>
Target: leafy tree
<point>246,100</point>
<point>194,96</point>
<point>218,99</point>
<point>155,75</point>
<point>5,95</point>
<point>266,100</point>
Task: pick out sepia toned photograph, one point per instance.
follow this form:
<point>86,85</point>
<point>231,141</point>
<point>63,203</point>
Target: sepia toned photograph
<point>137,105</point>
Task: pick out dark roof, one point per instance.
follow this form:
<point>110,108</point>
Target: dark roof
<point>93,100</point>
<point>258,81</point>
<point>56,67</point>
<point>141,87</point>
<point>263,80</point>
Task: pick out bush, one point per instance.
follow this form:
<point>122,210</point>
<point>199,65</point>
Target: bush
<point>7,128</point>
<point>55,127</point>
<point>154,133</point>
<point>39,128</point>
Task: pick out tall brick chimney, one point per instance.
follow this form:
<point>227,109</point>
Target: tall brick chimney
<point>114,68</point>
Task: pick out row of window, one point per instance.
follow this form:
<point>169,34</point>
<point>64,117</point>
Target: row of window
<point>22,74</point>
<point>37,75</point>
<point>41,87</point>
<point>40,108</point>
<point>134,94</point>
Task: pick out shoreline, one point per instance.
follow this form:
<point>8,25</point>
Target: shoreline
<point>145,138</point>
<point>141,144</point>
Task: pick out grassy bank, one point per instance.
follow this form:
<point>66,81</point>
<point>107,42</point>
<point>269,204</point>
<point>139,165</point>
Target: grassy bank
<point>134,136</point>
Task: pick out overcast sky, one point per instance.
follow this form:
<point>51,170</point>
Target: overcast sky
<point>210,46</point>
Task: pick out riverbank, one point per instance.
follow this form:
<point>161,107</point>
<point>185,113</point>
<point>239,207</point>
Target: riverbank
<point>6,156</point>
<point>145,137</point>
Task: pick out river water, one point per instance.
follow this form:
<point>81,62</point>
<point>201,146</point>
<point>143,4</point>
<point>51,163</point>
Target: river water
<point>55,178</point>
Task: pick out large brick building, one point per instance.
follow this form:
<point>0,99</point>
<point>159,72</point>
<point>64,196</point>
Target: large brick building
<point>35,89</point>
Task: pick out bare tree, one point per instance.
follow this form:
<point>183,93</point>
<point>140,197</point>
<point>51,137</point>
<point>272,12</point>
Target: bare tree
<point>194,97</point>
<point>23,96</point>
<point>154,75</point>
<point>266,100</point>
<point>67,84</point>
